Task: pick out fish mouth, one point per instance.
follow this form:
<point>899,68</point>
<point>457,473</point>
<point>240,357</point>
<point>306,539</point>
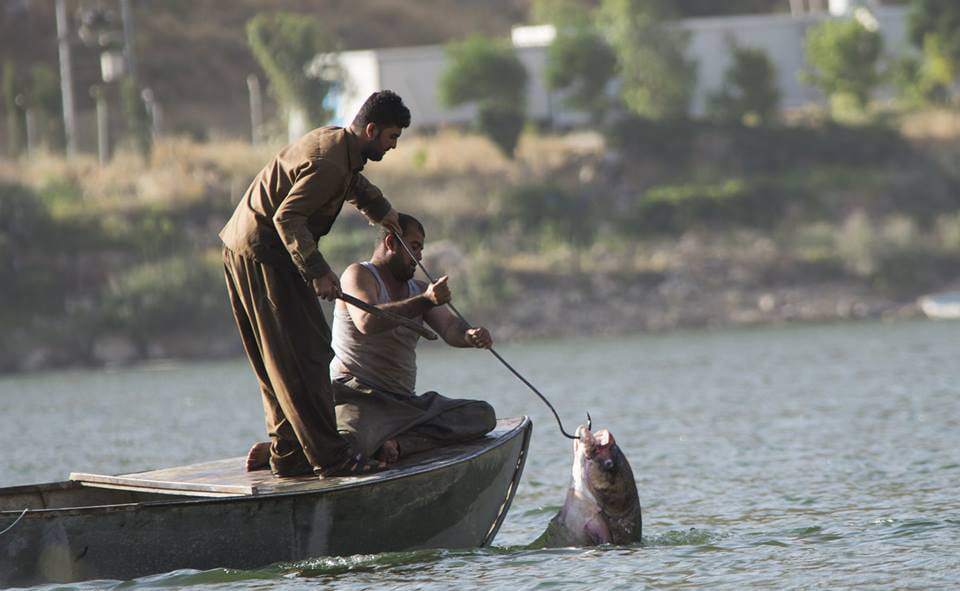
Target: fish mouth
<point>592,444</point>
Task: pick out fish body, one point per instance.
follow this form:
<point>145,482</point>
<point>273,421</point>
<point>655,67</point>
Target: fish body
<point>602,505</point>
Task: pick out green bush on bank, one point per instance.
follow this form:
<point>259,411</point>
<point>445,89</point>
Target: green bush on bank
<point>546,211</point>
<point>672,209</point>
<point>761,150</point>
<point>176,293</point>
<point>25,225</point>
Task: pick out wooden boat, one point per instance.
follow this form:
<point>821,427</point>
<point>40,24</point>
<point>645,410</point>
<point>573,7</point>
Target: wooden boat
<point>944,305</point>
<point>216,514</point>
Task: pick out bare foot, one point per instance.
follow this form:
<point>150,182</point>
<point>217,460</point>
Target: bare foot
<point>258,458</point>
<point>389,452</point>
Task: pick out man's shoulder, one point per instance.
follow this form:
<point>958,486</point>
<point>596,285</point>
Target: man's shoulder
<point>357,270</point>
<point>324,143</point>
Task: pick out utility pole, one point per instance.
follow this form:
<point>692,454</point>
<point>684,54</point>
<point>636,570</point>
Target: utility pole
<point>66,79</point>
<point>126,14</point>
<point>103,124</point>
<point>256,109</point>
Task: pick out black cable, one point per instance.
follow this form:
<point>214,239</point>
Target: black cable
<point>495,354</point>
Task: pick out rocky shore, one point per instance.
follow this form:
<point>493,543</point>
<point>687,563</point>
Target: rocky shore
<point>569,305</point>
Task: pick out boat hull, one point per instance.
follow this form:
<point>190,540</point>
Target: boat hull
<point>452,503</point>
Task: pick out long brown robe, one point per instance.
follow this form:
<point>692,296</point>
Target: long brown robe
<point>271,255</point>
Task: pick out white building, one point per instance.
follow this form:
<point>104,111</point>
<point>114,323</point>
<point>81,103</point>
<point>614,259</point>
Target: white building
<point>414,72</point>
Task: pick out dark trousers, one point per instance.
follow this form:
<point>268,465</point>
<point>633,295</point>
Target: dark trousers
<point>287,341</point>
<point>367,417</point>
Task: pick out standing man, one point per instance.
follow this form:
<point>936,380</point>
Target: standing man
<point>275,273</point>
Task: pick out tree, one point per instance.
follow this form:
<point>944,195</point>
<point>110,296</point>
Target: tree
<point>487,73</point>
<point>582,63</point>
<point>560,13</point>
<point>845,59</point>
<point>284,44</point>
<point>16,124</point>
<point>658,79</point>
<point>749,93</point>
<point>934,27</point>
<point>940,18</point>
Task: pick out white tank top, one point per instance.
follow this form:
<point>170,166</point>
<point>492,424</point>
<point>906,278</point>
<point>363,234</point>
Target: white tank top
<point>386,360</point>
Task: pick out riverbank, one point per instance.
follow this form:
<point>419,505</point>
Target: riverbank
<point>653,227</point>
<point>539,305</point>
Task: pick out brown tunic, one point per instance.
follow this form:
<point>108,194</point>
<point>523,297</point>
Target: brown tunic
<point>296,198</point>
<point>271,249</point>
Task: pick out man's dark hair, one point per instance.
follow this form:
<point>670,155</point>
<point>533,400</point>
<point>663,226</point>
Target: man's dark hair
<point>406,221</point>
<point>384,109</point>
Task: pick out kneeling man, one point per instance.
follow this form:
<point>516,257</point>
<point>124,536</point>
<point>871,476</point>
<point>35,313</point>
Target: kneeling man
<point>374,372</point>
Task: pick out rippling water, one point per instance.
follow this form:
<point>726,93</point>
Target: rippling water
<point>766,459</point>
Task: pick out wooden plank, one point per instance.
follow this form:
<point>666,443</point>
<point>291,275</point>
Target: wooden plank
<point>228,477</point>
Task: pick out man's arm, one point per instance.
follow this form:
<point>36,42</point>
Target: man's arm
<point>360,283</point>
<point>369,199</point>
<point>456,332</point>
<point>318,183</point>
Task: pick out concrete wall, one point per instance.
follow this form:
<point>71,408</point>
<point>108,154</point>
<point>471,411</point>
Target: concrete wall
<point>782,38</point>
<point>415,72</point>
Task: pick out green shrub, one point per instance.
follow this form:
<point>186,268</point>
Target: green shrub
<point>844,58</point>
<point>174,294</point>
<point>934,27</point>
<point>749,94</point>
<point>760,150</point>
<point>29,238</point>
<point>502,125</point>
<point>582,63</point>
<point>548,211</point>
<point>673,209</point>
<point>483,286</point>
<point>62,196</point>
<point>284,44</point>
<point>657,78</point>
<point>487,73</point>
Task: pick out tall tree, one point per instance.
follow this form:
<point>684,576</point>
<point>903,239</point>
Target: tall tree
<point>284,45</point>
<point>582,63</point>
<point>749,93</point>
<point>487,73</point>
<point>934,27</point>
<point>658,79</point>
<point>844,57</point>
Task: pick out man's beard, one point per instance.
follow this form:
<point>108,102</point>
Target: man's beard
<point>401,270</point>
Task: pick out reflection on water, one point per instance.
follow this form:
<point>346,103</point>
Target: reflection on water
<point>769,458</point>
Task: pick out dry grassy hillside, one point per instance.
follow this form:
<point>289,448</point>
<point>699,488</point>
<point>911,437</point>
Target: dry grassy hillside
<point>194,53</point>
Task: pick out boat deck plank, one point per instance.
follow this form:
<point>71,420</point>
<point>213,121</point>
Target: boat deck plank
<point>228,477</point>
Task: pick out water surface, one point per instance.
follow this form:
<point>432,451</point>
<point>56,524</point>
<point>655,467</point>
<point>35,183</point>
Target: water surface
<point>765,459</point>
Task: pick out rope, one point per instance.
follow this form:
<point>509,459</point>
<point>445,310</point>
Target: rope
<point>15,522</point>
<point>495,354</point>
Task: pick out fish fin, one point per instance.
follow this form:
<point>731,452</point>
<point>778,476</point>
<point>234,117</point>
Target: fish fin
<point>597,531</point>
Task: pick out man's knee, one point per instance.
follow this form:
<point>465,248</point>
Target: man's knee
<point>485,417</point>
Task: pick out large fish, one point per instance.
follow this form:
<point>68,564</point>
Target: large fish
<point>602,505</point>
